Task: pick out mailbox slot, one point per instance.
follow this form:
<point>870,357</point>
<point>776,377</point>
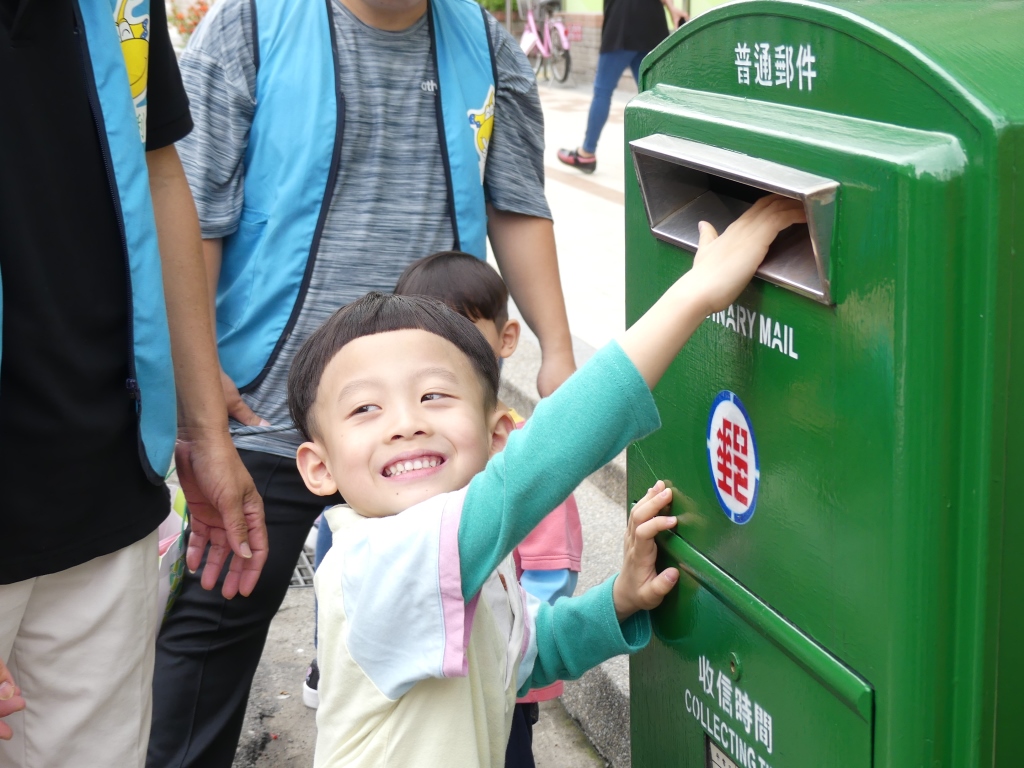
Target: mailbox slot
<point>684,182</point>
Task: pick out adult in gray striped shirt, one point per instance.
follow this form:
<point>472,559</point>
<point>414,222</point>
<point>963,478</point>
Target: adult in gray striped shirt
<point>389,207</point>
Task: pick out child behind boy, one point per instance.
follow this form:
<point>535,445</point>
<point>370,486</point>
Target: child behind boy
<point>548,559</point>
<point>425,637</point>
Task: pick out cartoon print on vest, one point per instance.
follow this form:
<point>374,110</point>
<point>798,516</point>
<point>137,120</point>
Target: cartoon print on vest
<point>482,121</point>
<point>133,31</point>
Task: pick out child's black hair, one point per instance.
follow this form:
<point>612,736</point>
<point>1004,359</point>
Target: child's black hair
<point>469,285</point>
<point>380,313</point>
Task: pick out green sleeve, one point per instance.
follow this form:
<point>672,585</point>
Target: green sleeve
<point>578,633</point>
<point>595,414</point>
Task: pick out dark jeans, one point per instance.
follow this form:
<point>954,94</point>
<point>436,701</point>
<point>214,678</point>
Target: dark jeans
<point>519,752</point>
<point>610,67</point>
<point>209,647</point>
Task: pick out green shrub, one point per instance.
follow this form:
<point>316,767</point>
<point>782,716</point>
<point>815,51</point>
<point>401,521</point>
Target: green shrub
<point>495,5</point>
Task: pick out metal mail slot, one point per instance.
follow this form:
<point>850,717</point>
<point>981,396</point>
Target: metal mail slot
<point>684,182</point>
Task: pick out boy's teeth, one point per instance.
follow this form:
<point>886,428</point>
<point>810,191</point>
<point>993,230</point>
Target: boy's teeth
<point>400,467</point>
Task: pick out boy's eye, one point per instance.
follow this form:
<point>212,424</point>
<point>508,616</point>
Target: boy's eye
<point>432,396</point>
<point>365,409</point>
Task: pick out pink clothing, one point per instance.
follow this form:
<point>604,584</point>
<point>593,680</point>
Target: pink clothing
<point>555,544</point>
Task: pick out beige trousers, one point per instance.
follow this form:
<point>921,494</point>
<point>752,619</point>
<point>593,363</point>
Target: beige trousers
<point>81,644</point>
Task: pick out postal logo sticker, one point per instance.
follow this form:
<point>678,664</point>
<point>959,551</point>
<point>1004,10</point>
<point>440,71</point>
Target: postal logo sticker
<point>732,457</point>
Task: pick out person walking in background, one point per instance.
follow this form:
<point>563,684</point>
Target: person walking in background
<point>631,29</point>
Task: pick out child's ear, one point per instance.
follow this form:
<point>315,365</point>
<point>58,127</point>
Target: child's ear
<point>509,338</point>
<point>501,427</point>
<point>312,464</point>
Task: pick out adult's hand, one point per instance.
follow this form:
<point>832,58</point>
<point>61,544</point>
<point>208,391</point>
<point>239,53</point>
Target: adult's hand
<point>225,511</point>
<point>237,408</point>
<point>678,16</point>
<point>11,700</point>
<point>555,368</point>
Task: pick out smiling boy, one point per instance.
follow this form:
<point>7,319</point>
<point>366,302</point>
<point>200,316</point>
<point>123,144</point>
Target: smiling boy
<point>425,636</point>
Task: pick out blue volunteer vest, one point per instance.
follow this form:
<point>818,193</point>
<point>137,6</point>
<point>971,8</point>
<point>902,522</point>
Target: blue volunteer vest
<point>293,155</point>
<point>119,123</point>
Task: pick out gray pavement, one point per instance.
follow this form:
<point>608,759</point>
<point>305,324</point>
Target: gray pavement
<point>589,727</point>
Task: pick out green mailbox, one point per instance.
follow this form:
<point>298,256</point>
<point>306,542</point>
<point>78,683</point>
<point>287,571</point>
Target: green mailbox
<point>846,441</point>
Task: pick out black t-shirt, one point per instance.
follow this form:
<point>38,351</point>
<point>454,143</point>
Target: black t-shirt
<point>72,486</point>
<point>633,25</point>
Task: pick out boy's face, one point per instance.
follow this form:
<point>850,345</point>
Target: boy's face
<point>401,418</point>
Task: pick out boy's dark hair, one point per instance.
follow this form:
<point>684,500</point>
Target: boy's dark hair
<point>380,313</point>
<point>469,285</point>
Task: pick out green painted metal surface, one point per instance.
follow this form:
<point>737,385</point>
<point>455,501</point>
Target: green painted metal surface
<point>874,601</point>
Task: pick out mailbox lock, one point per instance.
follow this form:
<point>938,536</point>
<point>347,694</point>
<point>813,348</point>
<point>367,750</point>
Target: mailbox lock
<point>735,669</point>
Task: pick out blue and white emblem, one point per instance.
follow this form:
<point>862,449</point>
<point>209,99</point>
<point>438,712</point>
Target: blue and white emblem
<point>732,457</point>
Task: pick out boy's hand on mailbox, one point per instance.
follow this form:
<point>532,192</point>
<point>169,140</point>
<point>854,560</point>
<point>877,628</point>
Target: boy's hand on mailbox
<point>639,586</point>
<point>726,263</point>
<point>721,269</point>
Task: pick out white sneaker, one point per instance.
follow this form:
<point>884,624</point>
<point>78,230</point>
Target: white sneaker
<point>310,695</point>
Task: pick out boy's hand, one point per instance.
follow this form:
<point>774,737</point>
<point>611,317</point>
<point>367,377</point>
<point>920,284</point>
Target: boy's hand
<point>10,700</point>
<point>639,586</point>
<point>725,265</point>
<point>722,268</point>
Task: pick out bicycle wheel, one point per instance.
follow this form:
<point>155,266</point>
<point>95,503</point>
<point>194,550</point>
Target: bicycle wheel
<point>535,59</point>
<point>560,61</point>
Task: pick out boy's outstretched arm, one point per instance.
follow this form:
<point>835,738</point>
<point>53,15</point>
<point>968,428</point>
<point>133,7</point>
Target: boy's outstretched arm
<point>722,268</point>
<point>585,423</point>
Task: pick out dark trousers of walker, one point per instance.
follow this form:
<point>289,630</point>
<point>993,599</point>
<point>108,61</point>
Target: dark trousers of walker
<point>208,648</point>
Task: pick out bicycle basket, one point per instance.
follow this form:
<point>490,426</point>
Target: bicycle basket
<point>539,7</point>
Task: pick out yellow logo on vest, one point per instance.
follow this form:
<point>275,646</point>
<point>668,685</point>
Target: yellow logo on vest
<point>132,19</point>
<point>482,121</point>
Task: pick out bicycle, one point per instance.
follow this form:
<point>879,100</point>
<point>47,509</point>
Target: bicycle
<point>549,46</point>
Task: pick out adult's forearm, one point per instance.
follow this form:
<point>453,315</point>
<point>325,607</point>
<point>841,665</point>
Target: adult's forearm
<point>237,408</point>
<point>194,353</point>
<point>212,254</point>
<point>524,247</point>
